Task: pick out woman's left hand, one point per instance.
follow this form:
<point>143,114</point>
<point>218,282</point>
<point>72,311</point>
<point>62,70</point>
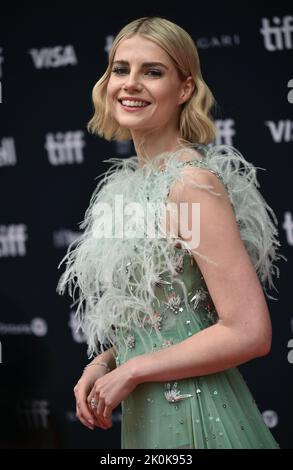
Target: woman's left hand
<point>110,390</point>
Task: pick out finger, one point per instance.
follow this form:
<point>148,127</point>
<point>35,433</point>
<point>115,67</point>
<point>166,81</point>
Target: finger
<point>85,413</point>
<point>99,413</point>
<point>108,415</point>
<point>81,418</point>
<point>100,407</point>
<point>83,409</point>
<point>92,407</point>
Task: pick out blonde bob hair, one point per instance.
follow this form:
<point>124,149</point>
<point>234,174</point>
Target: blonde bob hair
<point>196,124</point>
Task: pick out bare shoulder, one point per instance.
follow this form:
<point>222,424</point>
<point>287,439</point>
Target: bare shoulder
<point>193,181</point>
<point>190,154</point>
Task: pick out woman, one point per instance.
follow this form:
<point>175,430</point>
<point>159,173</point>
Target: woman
<point>171,315</point>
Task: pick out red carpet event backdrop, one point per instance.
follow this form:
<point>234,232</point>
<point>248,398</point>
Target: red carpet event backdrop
<point>49,164</point>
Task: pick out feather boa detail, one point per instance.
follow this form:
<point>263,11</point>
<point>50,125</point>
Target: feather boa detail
<point>112,279</point>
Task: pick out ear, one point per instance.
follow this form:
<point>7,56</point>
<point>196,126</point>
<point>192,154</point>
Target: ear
<point>187,89</point>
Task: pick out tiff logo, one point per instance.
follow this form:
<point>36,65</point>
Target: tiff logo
<point>34,414</point>
<point>225,131</point>
<point>53,57</point>
<point>65,148</point>
<point>281,131</point>
<point>13,240</point>
<point>278,36</point>
<point>288,227</point>
<point>7,152</point>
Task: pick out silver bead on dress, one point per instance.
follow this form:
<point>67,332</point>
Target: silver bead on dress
<point>174,303</point>
<point>130,341</point>
<point>173,395</point>
<point>199,295</point>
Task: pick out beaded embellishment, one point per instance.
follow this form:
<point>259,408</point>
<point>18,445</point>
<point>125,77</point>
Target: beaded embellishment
<point>172,393</point>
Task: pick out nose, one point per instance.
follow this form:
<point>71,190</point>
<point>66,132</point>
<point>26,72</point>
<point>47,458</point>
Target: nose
<point>132,82</point>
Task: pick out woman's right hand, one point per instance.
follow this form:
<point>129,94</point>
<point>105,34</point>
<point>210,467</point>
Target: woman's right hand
<point>81,391</point>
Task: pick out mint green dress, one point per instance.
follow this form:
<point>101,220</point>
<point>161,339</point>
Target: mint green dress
<point>141,293</point>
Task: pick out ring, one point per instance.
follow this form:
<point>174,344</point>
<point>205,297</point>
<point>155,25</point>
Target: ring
<point>93,404</point>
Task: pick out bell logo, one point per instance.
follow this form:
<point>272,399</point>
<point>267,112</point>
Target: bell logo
<point>270,418</point>
<point>39,327</point>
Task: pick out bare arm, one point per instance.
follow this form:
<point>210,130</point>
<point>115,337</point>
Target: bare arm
<point>107,357</point>
<point>85,384</point>
<point>243,331</point>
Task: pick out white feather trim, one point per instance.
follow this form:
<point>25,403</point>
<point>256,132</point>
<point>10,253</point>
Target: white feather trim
<point>113,280</point>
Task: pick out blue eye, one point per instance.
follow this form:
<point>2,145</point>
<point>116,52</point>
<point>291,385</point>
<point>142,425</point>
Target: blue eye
<point>119,69</point>
<point>158,73</point>
<point>123,70</point>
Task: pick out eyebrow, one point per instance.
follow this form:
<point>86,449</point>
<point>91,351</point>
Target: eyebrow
<point>145,64</point>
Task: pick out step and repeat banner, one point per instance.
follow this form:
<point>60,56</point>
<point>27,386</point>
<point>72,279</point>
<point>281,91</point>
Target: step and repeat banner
<point>49,166</point>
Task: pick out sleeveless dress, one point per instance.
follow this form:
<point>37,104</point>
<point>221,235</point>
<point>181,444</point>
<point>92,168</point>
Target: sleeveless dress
<point>141,293</point>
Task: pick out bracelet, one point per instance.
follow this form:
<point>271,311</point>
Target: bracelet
<point>104,364</point>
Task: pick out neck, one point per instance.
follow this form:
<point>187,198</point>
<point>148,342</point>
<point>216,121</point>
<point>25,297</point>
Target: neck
<point>149,144</point>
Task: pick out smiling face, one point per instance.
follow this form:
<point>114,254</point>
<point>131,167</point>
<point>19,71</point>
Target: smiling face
<point>144,75</point>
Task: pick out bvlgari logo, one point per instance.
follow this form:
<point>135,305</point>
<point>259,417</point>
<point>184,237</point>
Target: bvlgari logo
<point>223,40</point>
